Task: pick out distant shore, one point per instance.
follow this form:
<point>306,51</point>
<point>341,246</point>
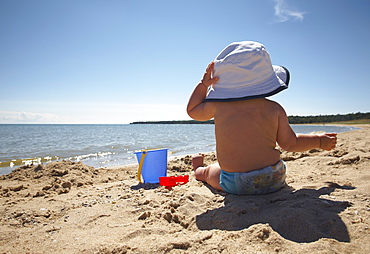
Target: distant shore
<point>357,118</point>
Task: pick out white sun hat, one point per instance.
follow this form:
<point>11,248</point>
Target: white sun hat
<point>245,72</point>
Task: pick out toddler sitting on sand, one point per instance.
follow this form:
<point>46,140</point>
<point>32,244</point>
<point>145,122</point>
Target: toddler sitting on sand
<point>247,125</point>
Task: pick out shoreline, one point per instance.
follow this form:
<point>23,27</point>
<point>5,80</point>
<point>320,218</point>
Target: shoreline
<point>68,207</point>
<point>95,157</point>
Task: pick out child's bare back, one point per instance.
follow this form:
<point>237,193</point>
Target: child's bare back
<point>246,134</point>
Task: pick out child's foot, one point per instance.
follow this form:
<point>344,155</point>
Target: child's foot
<point>197,161</point>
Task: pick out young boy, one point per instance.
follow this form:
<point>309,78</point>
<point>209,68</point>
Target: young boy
<point>247,125</point>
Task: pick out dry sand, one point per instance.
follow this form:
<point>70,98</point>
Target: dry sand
<point>67,207</point>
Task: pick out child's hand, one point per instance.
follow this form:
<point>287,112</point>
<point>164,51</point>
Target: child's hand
<point>328,141</point>
<point>207,79</point>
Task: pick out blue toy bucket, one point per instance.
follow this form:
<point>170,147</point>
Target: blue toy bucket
<point>152,165</point>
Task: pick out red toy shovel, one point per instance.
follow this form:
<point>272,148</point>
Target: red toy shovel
<point>172,181</point>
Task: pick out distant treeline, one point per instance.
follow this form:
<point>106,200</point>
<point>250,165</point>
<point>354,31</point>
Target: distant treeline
<point>176,122</point>
<point>292,119</point>
<point>328,118</point>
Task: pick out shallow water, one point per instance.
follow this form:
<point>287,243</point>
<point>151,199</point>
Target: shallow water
<point>109,145</point>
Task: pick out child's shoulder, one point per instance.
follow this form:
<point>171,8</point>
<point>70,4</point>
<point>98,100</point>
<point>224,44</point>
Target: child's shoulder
<point>273,103</point>
<point>275,106</point>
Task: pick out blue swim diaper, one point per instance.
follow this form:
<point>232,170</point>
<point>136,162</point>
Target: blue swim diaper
<point>262,181</point>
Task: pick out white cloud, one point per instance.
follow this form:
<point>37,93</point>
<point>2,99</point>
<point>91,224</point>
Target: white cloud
<point>120,113</point>
<point>98,113</point>
<point>28,117</point>
<point>284,12</point>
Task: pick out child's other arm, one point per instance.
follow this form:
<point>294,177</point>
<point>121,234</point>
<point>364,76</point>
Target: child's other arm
<point>197,109</point>
<point>289,141</point>
<point>304,142</point>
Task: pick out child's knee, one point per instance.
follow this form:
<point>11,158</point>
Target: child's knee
<point>201,173</point>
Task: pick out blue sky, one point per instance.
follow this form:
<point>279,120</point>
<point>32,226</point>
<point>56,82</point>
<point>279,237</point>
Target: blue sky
<point>89,61</point>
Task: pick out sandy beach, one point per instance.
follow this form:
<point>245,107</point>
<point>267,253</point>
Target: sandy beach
<point>68,207</point>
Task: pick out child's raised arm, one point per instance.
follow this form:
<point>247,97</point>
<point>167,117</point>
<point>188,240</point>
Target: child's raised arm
<point>197,109</point>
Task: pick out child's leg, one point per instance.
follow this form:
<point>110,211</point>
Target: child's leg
<point>210,174</point>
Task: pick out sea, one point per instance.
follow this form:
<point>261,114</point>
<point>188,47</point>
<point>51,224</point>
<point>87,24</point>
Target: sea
<point>109,145</point>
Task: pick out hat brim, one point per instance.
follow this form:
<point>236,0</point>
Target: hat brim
<point>280,82</point>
